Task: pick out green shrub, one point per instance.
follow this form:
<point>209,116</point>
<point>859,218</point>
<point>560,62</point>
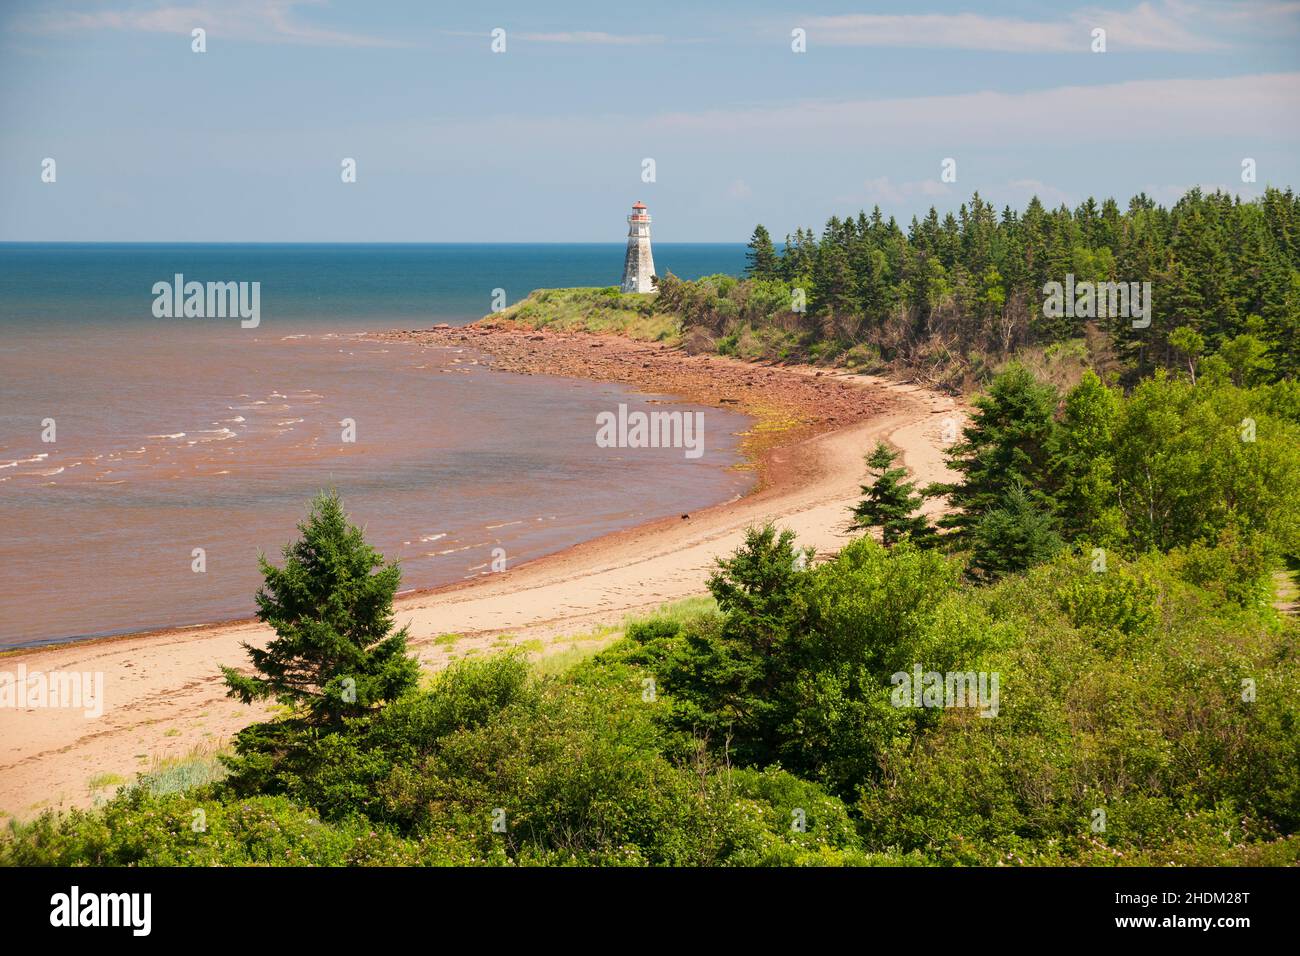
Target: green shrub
<point>1146,716</point>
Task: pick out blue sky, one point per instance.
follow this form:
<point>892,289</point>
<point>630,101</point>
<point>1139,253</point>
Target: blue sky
<point>545,141</point>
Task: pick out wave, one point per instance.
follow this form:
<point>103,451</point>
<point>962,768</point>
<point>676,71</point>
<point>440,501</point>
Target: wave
<point>26,461</point>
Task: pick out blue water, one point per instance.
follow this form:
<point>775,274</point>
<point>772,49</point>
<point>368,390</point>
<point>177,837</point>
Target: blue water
<point>345,285</point>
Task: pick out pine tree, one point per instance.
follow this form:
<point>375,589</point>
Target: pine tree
<point>796,262</point>
<point>761,257</point>
<point>874,292</point>
<point>335,653</point>
<point>1012,537</point>
<point>1008,442</point>
<point>890,502</point>
<point>1283,323</point>
<point>833,290</point>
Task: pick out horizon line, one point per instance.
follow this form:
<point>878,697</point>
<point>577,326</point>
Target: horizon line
<point>360,242</point>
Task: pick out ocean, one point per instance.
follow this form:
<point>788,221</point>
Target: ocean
<point>146,461</point>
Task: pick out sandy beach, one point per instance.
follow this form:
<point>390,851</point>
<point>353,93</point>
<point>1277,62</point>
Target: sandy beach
<point>163,693</point>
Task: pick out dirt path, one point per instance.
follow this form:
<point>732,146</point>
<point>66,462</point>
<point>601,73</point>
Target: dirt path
<point>1286,592</point>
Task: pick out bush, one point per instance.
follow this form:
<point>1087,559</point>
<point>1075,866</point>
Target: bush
<point>1158,737</point>
<point>1145,716</point>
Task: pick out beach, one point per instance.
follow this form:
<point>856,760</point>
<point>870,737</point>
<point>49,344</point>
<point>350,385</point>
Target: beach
<point>163,693</point>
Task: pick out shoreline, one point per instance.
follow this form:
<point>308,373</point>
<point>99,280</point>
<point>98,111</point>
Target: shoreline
<point>164,697</point>
<point>788,402</point>
<point>778,421</point>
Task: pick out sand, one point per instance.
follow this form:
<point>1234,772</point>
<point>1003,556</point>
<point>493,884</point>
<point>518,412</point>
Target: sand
<point>163,692</point>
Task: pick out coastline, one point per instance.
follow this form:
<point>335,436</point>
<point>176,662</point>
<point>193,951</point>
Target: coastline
<point>164,696</point>
<point>789,403</point>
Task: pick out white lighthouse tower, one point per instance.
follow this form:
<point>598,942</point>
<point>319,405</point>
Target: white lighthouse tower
<point>639,265</point>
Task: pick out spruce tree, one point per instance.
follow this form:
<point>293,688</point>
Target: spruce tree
<point>761,257</point>
<point>335,653</point>
<point>833,290</point>
<point>890,502</point>
<point>1008,442</point>
<point>730,680</point>
<point>1012,537</point>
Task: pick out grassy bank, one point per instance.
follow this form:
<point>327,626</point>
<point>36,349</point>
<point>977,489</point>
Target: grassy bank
<point>601,310</point>
<point>751,321</point>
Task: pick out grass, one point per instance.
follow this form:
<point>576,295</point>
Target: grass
<point>102,781</point>
<point>679,611</point>
<point>559,662</point>
<point>178,774</point>
<point>604,310</point>
<point>552,663</point>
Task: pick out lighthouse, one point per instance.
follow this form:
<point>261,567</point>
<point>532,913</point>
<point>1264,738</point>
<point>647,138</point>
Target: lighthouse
<point>639,264</point>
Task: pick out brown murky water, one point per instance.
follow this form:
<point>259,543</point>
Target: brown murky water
<point>171,438</point>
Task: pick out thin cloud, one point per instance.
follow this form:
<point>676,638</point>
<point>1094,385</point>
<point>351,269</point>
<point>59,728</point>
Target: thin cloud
<point>884,191</point>
<point>1168,26</point>
<point>1264,13</point>
<point>572,37</point>
<point>268,21</point>
<point>594,37</point>
<point>739,189</point>
<point>1260,106</point>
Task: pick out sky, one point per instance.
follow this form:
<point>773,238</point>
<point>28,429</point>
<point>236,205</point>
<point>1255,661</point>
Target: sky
<point>547,140</point>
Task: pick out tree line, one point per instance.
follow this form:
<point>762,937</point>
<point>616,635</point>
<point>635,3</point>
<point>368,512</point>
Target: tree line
<point>974,281</point>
